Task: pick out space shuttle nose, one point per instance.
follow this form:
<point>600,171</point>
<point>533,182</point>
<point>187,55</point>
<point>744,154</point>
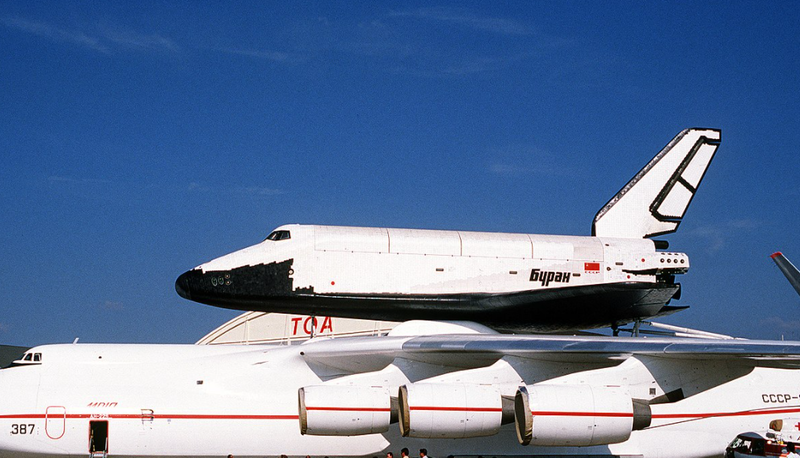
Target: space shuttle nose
<point>182,285</point>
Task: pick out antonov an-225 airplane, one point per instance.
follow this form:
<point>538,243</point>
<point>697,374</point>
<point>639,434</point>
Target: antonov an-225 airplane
<point>509,282</point>
<point>455,388</point>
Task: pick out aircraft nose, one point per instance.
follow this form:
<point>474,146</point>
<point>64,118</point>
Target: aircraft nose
<point>211,287</point>
<point>182,284</point>
<point>236,288</point>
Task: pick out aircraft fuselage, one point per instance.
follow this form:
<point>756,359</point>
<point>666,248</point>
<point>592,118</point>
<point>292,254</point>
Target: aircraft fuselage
<point>506,281</point>
<point>201,401</point>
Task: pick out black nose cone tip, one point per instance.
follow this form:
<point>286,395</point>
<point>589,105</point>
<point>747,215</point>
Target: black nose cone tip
<point>182,285</point>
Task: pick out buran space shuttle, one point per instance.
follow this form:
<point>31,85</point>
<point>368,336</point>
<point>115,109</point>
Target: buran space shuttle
<point>509,282</point>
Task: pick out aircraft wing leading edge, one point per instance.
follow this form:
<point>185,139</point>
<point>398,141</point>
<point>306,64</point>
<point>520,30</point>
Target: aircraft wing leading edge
<point>454,348</point>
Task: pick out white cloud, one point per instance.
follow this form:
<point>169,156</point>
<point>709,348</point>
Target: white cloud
<point>507,169</point>
<point>72,180</point>
<point>253,191</point>
<point>101,39</point>
<point>780,324</point>
<point>196,187</point>
<point>133,40</point>
<point>523,159</point>
<point>273,56</point>
<point>468,19</point>
<point>113,306</point>
<point>474,65</point>
<point>717,235</point>
<point>55,33</point>
<point>260,191</point>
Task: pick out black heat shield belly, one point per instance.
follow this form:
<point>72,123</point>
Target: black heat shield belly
<point>269,288</point>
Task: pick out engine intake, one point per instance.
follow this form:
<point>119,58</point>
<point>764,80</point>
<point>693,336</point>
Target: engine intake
<point>331,410</point>
<point>576,416</point>
<point>453,411</point>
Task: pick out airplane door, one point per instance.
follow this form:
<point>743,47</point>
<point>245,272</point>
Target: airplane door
<point>55,421</point>
<point>98,438</point>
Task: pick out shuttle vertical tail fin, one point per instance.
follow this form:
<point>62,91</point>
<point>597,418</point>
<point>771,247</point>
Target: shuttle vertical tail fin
<point>655,200</point>
<point>788,269</point>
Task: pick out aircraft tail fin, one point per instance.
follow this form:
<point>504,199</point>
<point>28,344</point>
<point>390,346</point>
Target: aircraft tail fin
<point>655,200</point>
<point>788,269</point>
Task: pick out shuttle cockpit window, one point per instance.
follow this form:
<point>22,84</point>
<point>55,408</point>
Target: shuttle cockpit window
<point>279,235</point>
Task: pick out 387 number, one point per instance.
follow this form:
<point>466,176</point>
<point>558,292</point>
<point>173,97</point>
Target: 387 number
<point>22,428</point>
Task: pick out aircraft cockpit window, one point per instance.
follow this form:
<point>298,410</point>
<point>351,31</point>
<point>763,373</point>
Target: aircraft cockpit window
<point>27,359</point>
<point>279,235</point>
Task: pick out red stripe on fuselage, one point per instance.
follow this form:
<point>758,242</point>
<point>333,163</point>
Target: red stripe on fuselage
<point>667,416</point>
<point>664,416</point>
<point>581,414</point>
<point>351,409</point>
<point>156,416</point>
<point>457,409</point>
<point>726,414</point>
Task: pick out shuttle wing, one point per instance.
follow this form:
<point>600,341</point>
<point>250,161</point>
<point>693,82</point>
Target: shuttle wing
<point>655,200</point>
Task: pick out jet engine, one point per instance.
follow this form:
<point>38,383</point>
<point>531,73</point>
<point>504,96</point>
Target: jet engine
<point>332,410</point>
<point>576,416</point>
<point>454,411</point>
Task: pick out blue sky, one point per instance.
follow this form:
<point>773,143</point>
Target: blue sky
<point>139,140</point>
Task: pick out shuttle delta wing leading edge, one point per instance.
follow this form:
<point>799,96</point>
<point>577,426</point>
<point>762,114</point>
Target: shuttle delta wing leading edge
<point>510,282</point>
<point>655,200</point>
<point>788,269</point>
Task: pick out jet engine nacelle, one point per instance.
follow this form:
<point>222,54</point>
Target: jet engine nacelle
<point>454,411</point>
<point>576,416</point>
<point>331,410</point>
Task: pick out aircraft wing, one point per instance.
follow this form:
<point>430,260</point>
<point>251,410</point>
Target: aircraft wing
<point>475,349</point>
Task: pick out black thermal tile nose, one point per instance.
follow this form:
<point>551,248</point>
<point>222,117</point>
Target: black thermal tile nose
<point>182,285</point>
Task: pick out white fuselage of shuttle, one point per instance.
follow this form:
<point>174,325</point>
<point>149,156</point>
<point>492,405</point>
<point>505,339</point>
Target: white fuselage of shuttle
<point>499,279</point>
